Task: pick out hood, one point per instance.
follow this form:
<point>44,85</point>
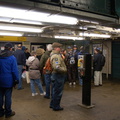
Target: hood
<point>6,53</point>
<point>31,58</point>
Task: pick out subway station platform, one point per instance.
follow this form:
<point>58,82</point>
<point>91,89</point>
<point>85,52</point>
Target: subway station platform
<point>106,99</point>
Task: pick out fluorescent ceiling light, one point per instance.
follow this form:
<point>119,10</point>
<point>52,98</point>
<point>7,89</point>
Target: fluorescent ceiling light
<point>36,16</point>
<point>22,13</point>
<point>83,28</point>
<point>20,28</point>
<point>87,21</point>
<point>61,19</point>
<point>26,22</point>
<point>68,37</point>
<point>10,33</point>
<point>5,19</point>
<point>11,12</point>
<point>95,35</point>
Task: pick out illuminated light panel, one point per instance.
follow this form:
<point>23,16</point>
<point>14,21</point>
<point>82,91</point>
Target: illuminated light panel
<point>36,16</point>
<point>26,22</point>
<point>10,34</point>
<point>68,37</point>
<point>20,28</point>
<point>95,35</point>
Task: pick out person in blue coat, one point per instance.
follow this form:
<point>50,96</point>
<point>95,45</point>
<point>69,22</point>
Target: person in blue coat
<point>8,79</point>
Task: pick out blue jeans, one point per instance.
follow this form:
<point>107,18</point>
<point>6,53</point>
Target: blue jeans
<point>80,78</point>
<point>32,84</point>
<point>20,67</point>
<point>48,84</point>
<point>57,89</point>
<point>7,94</point>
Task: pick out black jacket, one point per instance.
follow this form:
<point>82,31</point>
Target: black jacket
<point>20,56</point>
<point>97,62</point>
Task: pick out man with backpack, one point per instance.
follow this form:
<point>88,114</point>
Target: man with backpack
<point>98,63</point>
<point>58,76</point>
<point>45,67</point>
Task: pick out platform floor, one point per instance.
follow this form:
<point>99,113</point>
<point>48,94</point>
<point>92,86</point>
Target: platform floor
<point>105,98</point>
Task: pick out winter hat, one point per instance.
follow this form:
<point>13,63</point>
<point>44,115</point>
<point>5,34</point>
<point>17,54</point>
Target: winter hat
<point>23,48</point>
<point>40,51</point>
<point>8,45</point>
<point>49,47</point>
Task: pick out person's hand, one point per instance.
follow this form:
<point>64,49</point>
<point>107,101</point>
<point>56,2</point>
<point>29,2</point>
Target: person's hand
<point>24,67</point>
<point>15,83</point>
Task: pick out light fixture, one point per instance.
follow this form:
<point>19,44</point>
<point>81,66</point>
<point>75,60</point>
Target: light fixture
<point>95,35</point>
<point>69,37</point>
<point>83,28</point>
<point>36,16</point>
<point>61,19</point>
<point>87,21</point>
<point>4,33</point>
<point>4,19</point>
<point>21,28</point>
<point>25,21</point>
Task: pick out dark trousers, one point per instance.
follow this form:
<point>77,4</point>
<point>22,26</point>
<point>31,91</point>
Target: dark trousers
<point>71,73</point>
<point>57,89</point>
<point>48,84</point>
<point>5,101</point>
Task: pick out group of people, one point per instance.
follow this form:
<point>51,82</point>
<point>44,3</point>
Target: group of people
<point>63,63</point>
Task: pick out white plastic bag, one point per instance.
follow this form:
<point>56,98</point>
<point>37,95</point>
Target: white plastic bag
<point>24,74</point>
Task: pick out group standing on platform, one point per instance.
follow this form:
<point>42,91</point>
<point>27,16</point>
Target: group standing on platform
<point>51,68</point>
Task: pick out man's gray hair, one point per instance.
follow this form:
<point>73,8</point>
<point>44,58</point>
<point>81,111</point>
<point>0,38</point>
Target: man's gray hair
<point>49,47</point>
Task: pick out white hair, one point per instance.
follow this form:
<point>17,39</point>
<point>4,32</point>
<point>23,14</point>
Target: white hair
<point>49,47</point>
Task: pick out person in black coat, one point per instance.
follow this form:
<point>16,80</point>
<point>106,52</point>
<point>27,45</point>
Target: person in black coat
<point>97,67</point>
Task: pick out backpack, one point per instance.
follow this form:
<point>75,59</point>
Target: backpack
<point>48,68</point>
<point>102,61</point>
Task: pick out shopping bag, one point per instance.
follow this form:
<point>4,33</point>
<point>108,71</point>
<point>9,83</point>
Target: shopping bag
<point>27,77</point>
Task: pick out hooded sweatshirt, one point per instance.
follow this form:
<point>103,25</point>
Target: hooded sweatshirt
<point>8,69</point>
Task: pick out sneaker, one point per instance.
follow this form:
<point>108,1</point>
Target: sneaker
<point>12,114</point>
<point>34,94</point>
<point>74,83</point>
<point>70,84</point>
<point>43,93</point>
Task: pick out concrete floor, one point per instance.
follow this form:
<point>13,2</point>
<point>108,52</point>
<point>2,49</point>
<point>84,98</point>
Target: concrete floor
<point>106,99</point>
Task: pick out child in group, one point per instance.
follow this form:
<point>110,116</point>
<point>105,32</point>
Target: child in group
<point>34,74</point>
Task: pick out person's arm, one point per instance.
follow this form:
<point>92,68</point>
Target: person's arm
<point>15,72</point>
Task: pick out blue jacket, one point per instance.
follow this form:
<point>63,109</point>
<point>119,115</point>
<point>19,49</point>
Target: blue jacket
<point>8,69</point>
